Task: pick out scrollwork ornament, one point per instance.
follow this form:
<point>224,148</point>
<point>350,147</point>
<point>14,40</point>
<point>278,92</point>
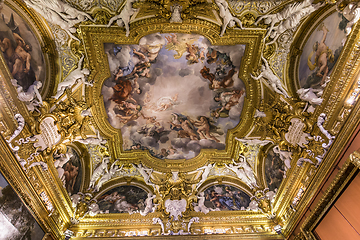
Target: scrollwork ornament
<point>355,159</point>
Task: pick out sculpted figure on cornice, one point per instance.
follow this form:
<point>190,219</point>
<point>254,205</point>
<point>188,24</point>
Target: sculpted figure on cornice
<point>123,19</point>
<point>228,19</point>
<point>274,81</point>
<point>59,13</point>
<point>72,78</point>
<point>288,18</point>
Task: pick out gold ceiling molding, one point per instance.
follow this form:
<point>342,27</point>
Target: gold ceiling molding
<point>36,179</point>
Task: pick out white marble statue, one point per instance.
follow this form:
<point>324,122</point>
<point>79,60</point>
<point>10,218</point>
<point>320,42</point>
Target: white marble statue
<point>123,19</point>
<point>225,14</point>
<point>253,141</point>
<point>249,172</point>
<point>313,96</point>
<point>293,20</point>
<point>205,174</point>
<point>200,205</point>
<point>145,173</point>
<point>60,161</point>
<point>320,123</point>
<point>288,18</point>
<point>93,141</point>
<point>159,221</point>
<point>99,171</point>
<point>72,78</point>
<point>351,12</point>
<point>149,205</point>
<point>240,173</point>
<point>108,175</point>
<point>59,13</point>
<point>21,123</point>
<point>176,13</point>
<point>29,97</point>
<point>285,156</point>
<point>273,80</point>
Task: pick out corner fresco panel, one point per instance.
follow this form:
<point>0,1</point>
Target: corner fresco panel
<point>225,198</point>
<point>16,222</point>
<point>174,94</point>
<point>321,51</point>
<point>68,166</point>
<point>21,50</point>
<point>274,170</point>
<point>123,199</point>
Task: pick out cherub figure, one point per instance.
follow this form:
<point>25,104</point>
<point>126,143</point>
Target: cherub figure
<point>205,174</point>
<point>225,14</point>
<point>30,95</point>
<point>274,81</point>
<point>248,170</point>
<point>123,19</point>
<point>240,173</point>
<point>313,96</point>
<point>194,54</point>
<point>145,173</point>
<point>99,171</point>
<point>107,176</point>
<point>72,78</point>
<point>149,206</point>
<point>200,206</point>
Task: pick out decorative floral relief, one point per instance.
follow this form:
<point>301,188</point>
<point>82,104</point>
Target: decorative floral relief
<point>261,6</point>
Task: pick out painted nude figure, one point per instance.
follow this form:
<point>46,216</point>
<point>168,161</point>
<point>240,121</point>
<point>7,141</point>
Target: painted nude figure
<point>274,81</point>
<point>323,54</point>
<point>203,128</point>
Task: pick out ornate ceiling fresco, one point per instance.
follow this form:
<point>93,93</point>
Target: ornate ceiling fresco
<point>149,118</point>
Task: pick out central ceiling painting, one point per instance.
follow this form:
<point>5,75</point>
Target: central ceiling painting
<point>174,94</point>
